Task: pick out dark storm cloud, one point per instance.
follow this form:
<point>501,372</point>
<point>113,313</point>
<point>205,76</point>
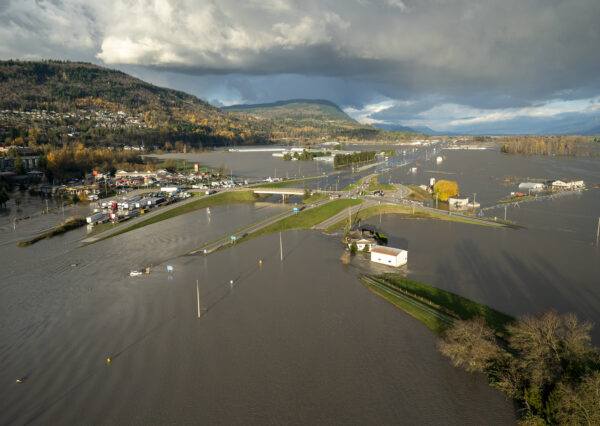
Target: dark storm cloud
<point>486,54</point>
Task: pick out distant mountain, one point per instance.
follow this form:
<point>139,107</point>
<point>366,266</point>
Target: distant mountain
<point>592,132</point>
<point>64,86</point>
<point>414,129</point>
<point>99,105</point>
<point>60,101</point>
<point>430,132</point>
<point>297,109</point>
<point>306,119</point>
<point>394,127</point>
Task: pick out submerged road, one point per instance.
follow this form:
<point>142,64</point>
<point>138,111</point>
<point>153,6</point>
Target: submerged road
<point>255,227</point>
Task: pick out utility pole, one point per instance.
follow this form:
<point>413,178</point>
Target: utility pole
<point>598,232</point>
<point>505,212</point>
<point>280,247</point>
<point>198,297</point>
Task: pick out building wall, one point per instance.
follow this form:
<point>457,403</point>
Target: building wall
<point>389,260</point>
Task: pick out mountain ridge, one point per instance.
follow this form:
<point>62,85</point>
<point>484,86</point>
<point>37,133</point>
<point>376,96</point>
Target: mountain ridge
<point>297,109</point>
<point>60,101</point>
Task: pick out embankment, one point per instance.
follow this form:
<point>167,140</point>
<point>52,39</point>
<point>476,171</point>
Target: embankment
<point>67,225</point>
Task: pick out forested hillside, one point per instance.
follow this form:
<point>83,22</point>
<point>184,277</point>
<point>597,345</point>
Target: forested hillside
<point>309,119</point>
<point>57,102</point>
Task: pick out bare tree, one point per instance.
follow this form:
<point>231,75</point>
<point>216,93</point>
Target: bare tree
<point>578,405</point>
<point>548,344</point>
<point>470,344</point>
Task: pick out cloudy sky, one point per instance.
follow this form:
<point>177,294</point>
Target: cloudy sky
<point>454,65</point>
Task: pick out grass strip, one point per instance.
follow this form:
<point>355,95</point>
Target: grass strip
<point>355,185</point>
<point>375,185</point>
<point>229,197</point>
<point>305,219</point>
<point>313,198</point>
<point>67,225</point>
<point>418,193</point>
<point>409,213</point>
<point>445,302</point>
<point>412,307</point>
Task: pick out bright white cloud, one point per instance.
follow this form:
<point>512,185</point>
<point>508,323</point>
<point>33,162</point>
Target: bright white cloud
<point>447,116</point>
<point>365,114</point>
<point>484,54</point>
<point>546,110</point>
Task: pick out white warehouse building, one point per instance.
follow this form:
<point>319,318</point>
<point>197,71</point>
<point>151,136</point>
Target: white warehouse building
<point>531,186</point>
<point>389,256</point>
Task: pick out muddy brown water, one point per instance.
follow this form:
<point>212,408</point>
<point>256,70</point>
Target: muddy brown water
<point>295,342</point>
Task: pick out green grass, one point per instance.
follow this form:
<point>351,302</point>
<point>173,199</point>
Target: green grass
<point>317,196</point>
<point>372,182</point>
<point>418,193</point>
<point>407,212</point>
<point>414,308</point>
<point>375,185</point>
<point>449,303</point>
<point>355,185</point>
<point>69,224</point>
<point>221,198</point>
<point>306,219</point>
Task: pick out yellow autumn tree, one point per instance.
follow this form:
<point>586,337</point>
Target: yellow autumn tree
<point>445,189</point>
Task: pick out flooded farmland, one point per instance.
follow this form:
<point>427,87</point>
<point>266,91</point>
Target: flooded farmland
<point>299,341</point>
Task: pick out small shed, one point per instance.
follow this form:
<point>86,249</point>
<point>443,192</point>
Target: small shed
<point>389,256</point>
<point>458,202</point>
<point>531,186</point>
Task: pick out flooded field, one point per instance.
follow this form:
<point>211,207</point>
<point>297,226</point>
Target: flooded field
<point>283,344</point>
<point>253,164</point>
<point>299,341</point>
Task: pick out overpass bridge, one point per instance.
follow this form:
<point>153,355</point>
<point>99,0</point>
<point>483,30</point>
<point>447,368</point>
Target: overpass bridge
<point>278,191</point>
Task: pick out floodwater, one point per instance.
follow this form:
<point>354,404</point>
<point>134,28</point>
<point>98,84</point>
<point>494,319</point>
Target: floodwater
<point>285,343</point>
<point>253,164</point>
<point>492,175</point>
<point>515,271</point>
<point>299,341</point>
<point>260,165</point>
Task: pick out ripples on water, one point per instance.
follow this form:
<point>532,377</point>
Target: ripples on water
<point>295,342</point>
